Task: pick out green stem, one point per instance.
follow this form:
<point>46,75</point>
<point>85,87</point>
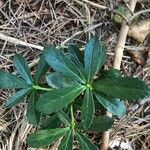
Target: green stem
<point>72,118</point>
<point>89,86</point>
<point>37,87</point>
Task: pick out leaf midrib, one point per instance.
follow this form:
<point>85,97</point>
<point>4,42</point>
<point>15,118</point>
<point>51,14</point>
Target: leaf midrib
<point>89,69</point>
<point>66,66</point>
<point>82,80</point>
<point>47,136</point>
<point>120,87</point>
<point>67,140</point>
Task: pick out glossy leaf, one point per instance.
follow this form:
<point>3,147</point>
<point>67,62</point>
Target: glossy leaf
<point>88,109</point>
<point>84,142</point>
<point>64,118</point>
<point>112,73</point>
<point>113,105</point>
<point>101,123</point>
<point>32,115</point>
<point>94,57</point>
<point>57,80</point>
<point>55,100</point>
<point>122,88</point>
<point>66,142</point>
<point>45,137</point>
<point>60,63</point>
<point>41,69</point>
<point>22,67</point>
<point>17,97</point>
<point>9,81</point>
<point>50,122</point>
<point>76,56</point>
<point>77,105</point>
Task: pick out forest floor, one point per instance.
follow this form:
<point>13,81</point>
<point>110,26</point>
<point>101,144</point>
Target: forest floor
<point>64,22</point>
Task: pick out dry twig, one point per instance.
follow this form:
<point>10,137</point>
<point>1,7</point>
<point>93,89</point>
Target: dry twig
<point>138,13</point>
<point>19,42</point>
<point>94,4</point>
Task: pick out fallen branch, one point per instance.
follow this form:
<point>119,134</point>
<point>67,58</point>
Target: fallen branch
<point>117,61</point>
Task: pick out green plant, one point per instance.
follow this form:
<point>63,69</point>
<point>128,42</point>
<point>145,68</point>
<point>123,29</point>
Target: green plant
<point>76,84</point>
<point>120,14</point>
<point>121,10</point>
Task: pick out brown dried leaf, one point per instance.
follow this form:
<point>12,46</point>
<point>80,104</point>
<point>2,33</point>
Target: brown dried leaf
<point>140,30</point>
<point>140,57</point>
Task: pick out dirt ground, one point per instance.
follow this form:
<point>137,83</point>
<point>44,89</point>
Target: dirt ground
<point>60,23</point>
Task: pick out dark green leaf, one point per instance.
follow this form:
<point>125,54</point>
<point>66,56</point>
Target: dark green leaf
<point>32,115</point>
<point>17,97</point>
<point>88,109</point>
<point>44,137</point>
<point>94,57</point>
<point>113,105</point>
<point>76,56</point>
<point>101,123</point>
<point>112,73</point>
<point>64,118</point>
<point>57,80</point>
<point>50,122</point>
<point>9,81</point>
<point>22,67</point>
<point>98,106</point>
<point>66,142</point>
<point>59,62</point>
<point>41,69</point>
<point>54,100</point>
<point>84,142</point>
<point>77,104</point>
<point>122,88</point>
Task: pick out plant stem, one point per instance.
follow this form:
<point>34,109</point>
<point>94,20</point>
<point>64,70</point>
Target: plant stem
<point>72,118</point>
<point>122,37</point>
<point>37,87</point>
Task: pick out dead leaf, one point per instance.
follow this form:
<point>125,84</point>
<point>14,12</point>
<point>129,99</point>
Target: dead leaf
<point>120,143</point>
<point>140,30</point>
<point>140,57</point>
